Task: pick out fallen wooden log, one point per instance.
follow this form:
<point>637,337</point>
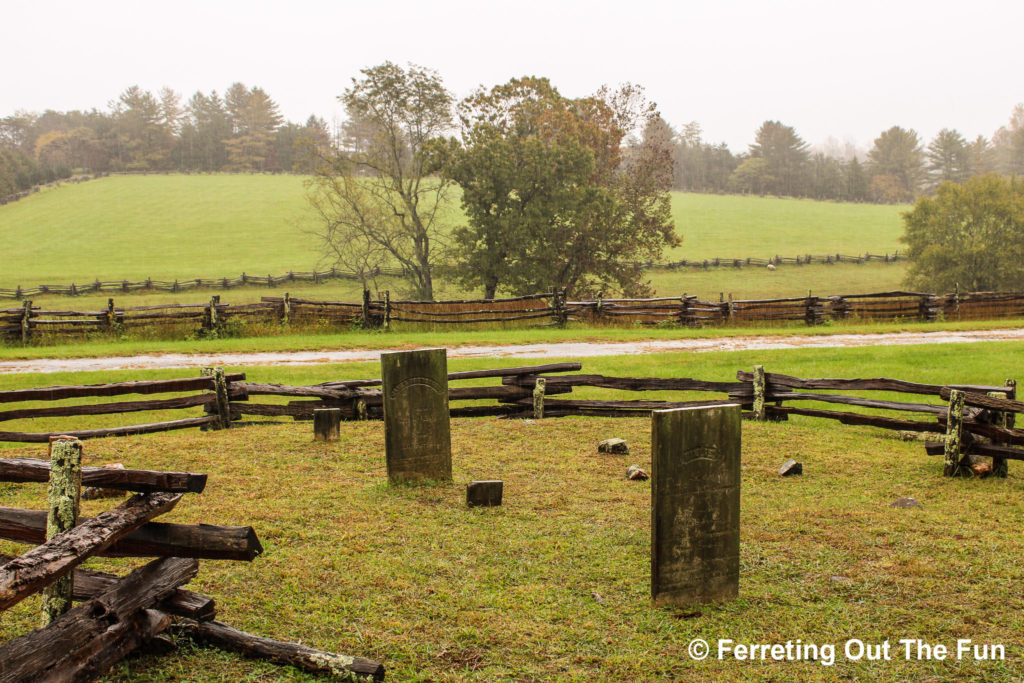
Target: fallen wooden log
<point>861,419</point>
<point>90,584</point>
<point>980,400</point>
<point>628,383</point>
<point>154,386</point>
<point>873,384</point>
<point>141,481</point>
<point>46,563</point>
<point>624,405</point>
<point>84,642</point>
<point>291,654</point>
<point>473,374</point>
<point>128,430</point>
<point>858,401</point>
<point>155,539</point>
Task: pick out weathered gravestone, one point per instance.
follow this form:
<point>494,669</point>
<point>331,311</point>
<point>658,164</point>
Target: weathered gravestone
<point>417,436</point>
<point>695,505</point>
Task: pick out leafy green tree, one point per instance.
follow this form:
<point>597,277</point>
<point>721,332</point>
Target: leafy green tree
<point>1009,143</point>
<point>856,181</point>
<point>785,155</point>
<point>377,200</point>
<point>897,153</point>
<point>254,118</point>
<point>948,158</point>
<point>751,177</point>
<point>971,234</point>
<point>554,194</point>
<point>144,138</point>
<point>205,126</point>
<point>981,157</point>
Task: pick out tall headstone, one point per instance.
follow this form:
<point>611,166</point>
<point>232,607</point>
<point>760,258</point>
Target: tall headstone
<point>417,436</point>
<point>695,505</point>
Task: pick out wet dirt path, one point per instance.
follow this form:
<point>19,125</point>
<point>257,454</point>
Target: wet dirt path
<point>553,350</point>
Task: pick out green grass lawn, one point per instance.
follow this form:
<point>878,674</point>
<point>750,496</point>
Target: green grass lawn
<point>554,585</point>
<point>184,226</point>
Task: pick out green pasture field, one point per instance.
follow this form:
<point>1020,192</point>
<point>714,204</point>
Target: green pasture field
<point>171,227</point>
<point>554,585</point>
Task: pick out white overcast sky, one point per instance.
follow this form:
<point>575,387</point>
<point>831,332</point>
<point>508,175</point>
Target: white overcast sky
<point>843,69</point>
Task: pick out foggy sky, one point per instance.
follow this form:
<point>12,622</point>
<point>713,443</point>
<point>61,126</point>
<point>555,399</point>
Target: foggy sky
<point>842,69</point>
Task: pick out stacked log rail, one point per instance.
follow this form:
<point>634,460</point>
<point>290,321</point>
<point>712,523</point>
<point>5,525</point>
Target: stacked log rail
<point>363,399</point>
<point>118,615</point>
<point>200,392</point>
<point>464,311</point>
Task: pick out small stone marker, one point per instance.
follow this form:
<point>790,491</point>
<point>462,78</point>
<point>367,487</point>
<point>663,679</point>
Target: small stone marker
<point>905,503</point>
<point>617,446</point>
<point>417,431</point>
<point>326,424</point>
<point>634,473</point>
<point>485,493</point>
<point>790,468</point>
<point>695,505</point>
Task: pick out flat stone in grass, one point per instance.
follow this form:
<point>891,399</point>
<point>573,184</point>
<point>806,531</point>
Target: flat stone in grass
<point>791,468</point>
<point>695,505</point>
<point>634,473</point>
<point>486,493</point>
<point>905,503</point>
<point>616,446</point>
<point>417,432</point>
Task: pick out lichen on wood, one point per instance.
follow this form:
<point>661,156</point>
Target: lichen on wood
<point>63,497</point>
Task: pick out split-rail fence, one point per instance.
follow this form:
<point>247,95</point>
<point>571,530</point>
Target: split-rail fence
<point>29,322</point>
<point>973,420</point>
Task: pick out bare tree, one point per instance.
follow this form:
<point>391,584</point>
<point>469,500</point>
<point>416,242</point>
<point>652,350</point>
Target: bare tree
<point>378,203</point>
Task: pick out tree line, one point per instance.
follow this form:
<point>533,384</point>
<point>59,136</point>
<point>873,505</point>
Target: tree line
<point>897,168</point>
<point>241,130</point>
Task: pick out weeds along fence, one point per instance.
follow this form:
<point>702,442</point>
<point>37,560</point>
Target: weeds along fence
<point>976,420</point>
<point>30,323</point>
<point>125,286</point>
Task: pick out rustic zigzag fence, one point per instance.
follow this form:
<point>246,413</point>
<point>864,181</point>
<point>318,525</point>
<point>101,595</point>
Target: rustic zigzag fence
<point>981,423</point>
<point>125,286</point>
<point>29,322</point>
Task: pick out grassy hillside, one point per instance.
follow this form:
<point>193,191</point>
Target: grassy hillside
<point>180,226</point>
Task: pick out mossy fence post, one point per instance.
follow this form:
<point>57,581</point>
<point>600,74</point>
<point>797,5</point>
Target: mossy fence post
<point>286,309</point>
<point>538,398</point>
<point>954,434</point>
<point>111,317</point>
<point>364,312</point>
<point>212,318</point>
<point>759,392</point>
<point>387,310</point>
<point>26,321</point>
<point>221,405</point>
<point>62,499</point>
<point>1005,419</point>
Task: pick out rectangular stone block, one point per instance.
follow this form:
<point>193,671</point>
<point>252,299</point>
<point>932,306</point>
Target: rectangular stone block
<point>485,493</point>
<point>417,436</point>
<point>695,505</point>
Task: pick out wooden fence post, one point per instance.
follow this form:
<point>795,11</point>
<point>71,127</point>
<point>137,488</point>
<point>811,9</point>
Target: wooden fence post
<point>599,309</point>
<point>538,398</point>
<point>365,311</point>
<point>111,314</point>
<point>26,321</point>
<point>326,424</point>
<point>954,433</point>
<point>214,317</point>
<point>286,309</point>
<point>387,309</point>
<point>684,310</point>
<point>62,500</point>
<point>999,465</point>
<point>759,392</point>
<point>360,409</point>
<point>730,309</point>
<point>222,405</point>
